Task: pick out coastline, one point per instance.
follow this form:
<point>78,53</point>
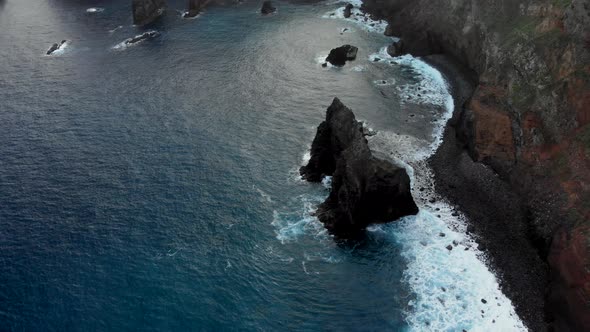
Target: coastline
<point>495,214</point>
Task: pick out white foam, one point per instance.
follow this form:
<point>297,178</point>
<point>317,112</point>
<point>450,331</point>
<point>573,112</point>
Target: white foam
<point>327,182</point>
<point>450,284</point>
<point>431,266</point>
<point>292,225</point>
<point>358,17</point>
<point>359,68</point>
<point>115,29</point>
<point>124,45</point>
<point>321,258</point>
<point>184,14</point>
<point>61,50</point>
<point>306,157</point>
<point>387,82</point>
<point>431,89</point>
<point>320,59</point>
<point>264,197</point>
<point>93,10</point>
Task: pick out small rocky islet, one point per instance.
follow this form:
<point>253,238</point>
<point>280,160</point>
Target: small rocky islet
<point>365,190</point>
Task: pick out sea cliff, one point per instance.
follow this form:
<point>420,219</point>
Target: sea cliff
<point>528,121</point>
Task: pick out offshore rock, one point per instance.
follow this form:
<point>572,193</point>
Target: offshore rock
<point>365,190</point>
<point>348,10</point>
<point>338,56</point>
<point>267,8</point>
<point>55,47</point>
<point>147,11</point>
<point>143,36</point>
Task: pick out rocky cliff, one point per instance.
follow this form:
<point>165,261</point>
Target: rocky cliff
<point>528,118</point>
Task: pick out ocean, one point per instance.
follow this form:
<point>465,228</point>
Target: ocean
<point>155,187</point>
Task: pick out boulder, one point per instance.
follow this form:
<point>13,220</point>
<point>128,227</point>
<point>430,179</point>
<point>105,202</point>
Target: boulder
<point>365,190</point>
<point>338,56</point>
<point>147,11</point>
<point>396,48</point>
<point>267,8</point>
<point>348,10</point>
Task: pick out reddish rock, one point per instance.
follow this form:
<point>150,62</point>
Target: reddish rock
<point>578,96</point>
<point>493,126</point>
<point>570,295</point>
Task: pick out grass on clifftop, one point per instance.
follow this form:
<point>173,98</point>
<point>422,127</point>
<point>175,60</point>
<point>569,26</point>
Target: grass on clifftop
<point>562,3</point>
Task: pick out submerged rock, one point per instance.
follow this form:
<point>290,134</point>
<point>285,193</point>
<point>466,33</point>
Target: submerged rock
<point>365,190</point>
<point>143,36</point>
<point>147,11</point>
<point>55,47</point>
<point>348,10</point>
<point>268,8</point>
<point>338,56</point>
<point>396,49</point>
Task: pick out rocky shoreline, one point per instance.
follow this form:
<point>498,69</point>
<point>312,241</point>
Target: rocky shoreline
<point>516,156</point>
<point>495,214</point>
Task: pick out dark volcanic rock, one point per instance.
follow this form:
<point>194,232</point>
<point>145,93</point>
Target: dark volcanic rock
<point>147,11</point>
<point>396,49</point>
<point>52,49</point>
<point>338,56</point>
<point>365,190</point>
<point>268,8</point>
<point>143,36</point>
<point>389,30</point>
<point>525,121</point>
<point>195,7</point>
<point>348,10</point>
<point>55,47</point>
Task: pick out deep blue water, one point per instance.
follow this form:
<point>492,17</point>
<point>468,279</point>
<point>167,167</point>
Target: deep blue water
<point>133,182</point>
<point>155,187</point>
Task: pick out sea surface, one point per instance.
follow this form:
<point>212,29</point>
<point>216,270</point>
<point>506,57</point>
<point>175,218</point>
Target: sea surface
<point>154,187</point>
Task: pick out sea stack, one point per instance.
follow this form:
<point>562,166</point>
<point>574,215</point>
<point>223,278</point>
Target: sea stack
<point>338,56</point>
<point>147,11</point>
<point>267,8</point>
<point>365,190</point>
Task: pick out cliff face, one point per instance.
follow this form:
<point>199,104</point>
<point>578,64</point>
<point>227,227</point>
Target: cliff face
<point>146,11</point>
<point>529,117</point>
